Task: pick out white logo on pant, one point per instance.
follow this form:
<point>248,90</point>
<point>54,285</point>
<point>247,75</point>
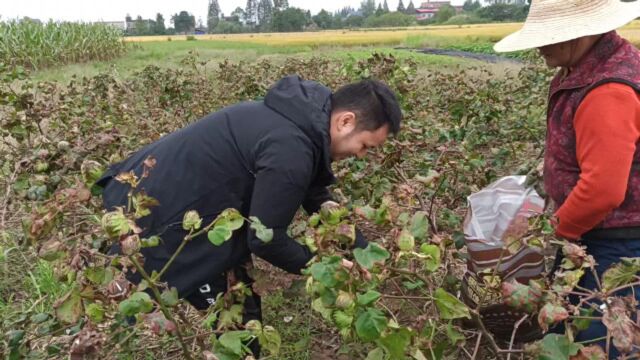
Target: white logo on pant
<point>211,301</point>
<point>205,289</point>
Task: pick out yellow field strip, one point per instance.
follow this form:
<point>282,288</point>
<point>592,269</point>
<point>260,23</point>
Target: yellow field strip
<point>491,32</point>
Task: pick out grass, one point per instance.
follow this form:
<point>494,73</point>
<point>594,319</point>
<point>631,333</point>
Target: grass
<point>156,50</point>
<point>291,315</point>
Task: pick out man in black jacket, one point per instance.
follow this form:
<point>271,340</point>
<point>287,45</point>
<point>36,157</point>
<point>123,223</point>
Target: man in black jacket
<point>266,159</point>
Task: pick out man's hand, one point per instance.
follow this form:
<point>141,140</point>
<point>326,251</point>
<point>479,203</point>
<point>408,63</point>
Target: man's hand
<point>349,265</point>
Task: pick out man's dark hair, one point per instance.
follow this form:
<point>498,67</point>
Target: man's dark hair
<point>374,104</point>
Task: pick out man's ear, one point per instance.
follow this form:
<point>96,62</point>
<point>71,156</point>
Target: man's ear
<point>346,121</point>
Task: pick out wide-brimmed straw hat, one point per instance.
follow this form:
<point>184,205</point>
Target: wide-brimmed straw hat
<point>555,21</point>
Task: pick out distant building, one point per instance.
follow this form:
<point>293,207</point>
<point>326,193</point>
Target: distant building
<point>131,25</point>
<point>120,25</point>
<point>429,9</point>
<point>512,2</point>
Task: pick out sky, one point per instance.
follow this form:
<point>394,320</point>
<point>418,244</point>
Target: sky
<point>116,10</point>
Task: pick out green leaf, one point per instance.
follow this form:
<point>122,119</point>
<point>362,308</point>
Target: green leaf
<point>620,274</point>
<point>432,262</point>
<point>454,335</point>
<point>342,319</point>
<point>373,254</point>
<point>325,271</point>
<point>366,211</point>
<point>397,343</point>
<point>39,318</point>
<point>557,347</point>
<point>115,223</point>
<point>95,274</point>
<point>15,337</point>
<point>382,215</point>
<point>232,340</point>
<point>69,309</point>
<point>413,285</point>
<point>231,218</point>
<point>419,226</point>
<point>191,221</point>
<point>583,323</point>
<point>332,214</point>
<point>230,317</point>
<point>369,297</point>
<point>262,232</point>
<point>170,297</point>
<point>142,204</point>
<point>318,305</point>
<point>370,324</point>
<point>219,234</point>
<point>270,340</point>
<point>376,354</point>
<point>405,241</point>
<point>551,314</point>
<point>151,241</point>
<point>314,220</point>
<point>449,306</point>
<point>519,296</point>
<point>95,312</point>
<point>136,303</point>
<point>346,233</point>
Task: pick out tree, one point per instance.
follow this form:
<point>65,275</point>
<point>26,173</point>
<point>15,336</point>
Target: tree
<point>279,5</point>
<point>213,15</point>
<point>367,7</point>
<point>471,5</point>
<point>503,12</point>
<point>379,10</point>
<point>141,26</point>
<point>228,27</point>
<point>411,9</point>
<point>129,26</point>
<point>265,14</point>
<point>238,14</point>
<point>159,28</point>
<point>251,12</point>
<point>354,21</point>
<point>346,11</point>
<point>324,20</point>
<point>445,13</point>
<point>289,20</point>
<point>394,19</point>
<point>183,22</point>
<point>401,7</point>
<point>385,6</point>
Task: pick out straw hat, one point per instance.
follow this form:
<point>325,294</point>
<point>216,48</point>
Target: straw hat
<point>555,21</point>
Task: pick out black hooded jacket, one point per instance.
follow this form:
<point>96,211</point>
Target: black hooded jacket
<point>264,158</point>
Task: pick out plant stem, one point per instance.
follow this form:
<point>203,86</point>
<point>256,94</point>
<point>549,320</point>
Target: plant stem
<point>163,308</point>
<point>186,239</point>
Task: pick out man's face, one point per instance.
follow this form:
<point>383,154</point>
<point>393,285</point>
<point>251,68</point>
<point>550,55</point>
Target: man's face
<point>347,140</point>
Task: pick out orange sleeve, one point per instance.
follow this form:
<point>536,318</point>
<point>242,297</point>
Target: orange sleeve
<point>607,126</point>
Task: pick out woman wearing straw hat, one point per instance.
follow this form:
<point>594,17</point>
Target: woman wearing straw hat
<point>592,158</point>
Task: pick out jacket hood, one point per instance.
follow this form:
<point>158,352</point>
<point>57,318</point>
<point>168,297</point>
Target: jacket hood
<point>308,105</point>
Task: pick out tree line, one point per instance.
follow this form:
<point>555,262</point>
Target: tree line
<point>278,16</point>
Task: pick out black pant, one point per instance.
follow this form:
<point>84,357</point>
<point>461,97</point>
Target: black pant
<point>205,296</point>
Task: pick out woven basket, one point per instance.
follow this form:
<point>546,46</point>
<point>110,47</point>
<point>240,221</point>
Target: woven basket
<point>498,318</point>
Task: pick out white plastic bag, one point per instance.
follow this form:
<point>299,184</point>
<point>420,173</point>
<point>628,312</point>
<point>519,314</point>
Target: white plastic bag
<point>501,208</point>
